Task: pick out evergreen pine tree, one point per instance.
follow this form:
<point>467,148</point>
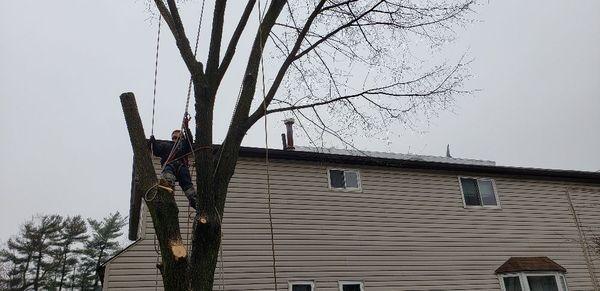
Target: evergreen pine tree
<point>45,236</point>
<point>73,232</point>
<point>19,254</point>
<point>10,272</point>
<point>101,245</point>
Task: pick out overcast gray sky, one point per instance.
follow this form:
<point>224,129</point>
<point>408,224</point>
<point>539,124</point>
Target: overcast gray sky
<point>64,146</point>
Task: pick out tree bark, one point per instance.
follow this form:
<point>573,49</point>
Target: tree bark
<point>162,207</point>
<point>207,225</point>
<point>36,283</point>
<point>63,270</point>
<point>98,262</point>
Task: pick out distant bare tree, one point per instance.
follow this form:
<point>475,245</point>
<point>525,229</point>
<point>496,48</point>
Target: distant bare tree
<point>348,59</point>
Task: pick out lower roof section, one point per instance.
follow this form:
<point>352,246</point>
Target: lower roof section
<point>529,264</point>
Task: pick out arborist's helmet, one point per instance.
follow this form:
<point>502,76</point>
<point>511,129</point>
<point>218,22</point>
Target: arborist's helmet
<point>175,134</point>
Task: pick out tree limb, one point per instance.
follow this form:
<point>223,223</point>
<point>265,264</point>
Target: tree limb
<point>214,49</point>
<point>173,20</point>
<point>230,52</point>
<point>163,207</point>
<point>252,67</point>
<point>439,89</point>
<point>338,29</point>
<point>259,112</point>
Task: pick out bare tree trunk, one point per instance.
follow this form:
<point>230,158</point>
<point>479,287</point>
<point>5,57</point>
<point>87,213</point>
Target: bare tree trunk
<point>163,208</point>
<point>207,224</point>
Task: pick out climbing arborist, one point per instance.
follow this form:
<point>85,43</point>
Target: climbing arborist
<point>175,160</point>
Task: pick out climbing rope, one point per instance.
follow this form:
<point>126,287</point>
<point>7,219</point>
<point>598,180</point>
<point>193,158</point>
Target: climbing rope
<point>148,191</point>
<point>189,94</point>
<point>221,265</point>
<point>267,164</point>
<point>157,263</point>
<point>155,73</point>
<point>152,133</point>
<point>185,114</point>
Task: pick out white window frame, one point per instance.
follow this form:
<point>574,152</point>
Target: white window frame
<point>342,283</point>
<point>292,283</point>
<point>462,194</point>
<point>525,284</point>
<point>345,189</point>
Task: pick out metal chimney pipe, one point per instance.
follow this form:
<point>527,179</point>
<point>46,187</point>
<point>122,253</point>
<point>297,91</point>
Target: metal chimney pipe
<point>283,141</point>
<point>290,134</point>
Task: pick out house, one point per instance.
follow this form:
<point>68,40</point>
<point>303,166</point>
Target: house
<point>346,221</point>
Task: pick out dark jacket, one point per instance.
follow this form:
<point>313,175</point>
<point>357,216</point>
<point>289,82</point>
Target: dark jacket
<point>162,149</point>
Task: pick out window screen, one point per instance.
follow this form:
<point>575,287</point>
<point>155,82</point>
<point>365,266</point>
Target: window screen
<point>344,179</point>
<point>336,178</point>
<point>512,284</point>
<point>301,287</point>
<point>470,191</point>
<point>486,190</point>
<point>478,192</point>
<point>351,179</point>
<point>542,283</point>
<point>351,287</point>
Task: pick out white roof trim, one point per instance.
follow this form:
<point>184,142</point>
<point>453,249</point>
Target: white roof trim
<point>396,156</point>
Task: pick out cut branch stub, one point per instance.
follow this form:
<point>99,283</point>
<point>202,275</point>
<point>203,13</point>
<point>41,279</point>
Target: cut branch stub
<point>178,250</point>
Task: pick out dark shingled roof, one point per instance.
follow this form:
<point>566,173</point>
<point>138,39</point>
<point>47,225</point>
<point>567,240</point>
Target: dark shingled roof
<point>529,264</point>
<point>331,157</point>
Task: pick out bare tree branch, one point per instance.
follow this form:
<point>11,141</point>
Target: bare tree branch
<point>233,43</point>
<point>286,64</point>
<point>214,49</point>
<point>442,88</point>
<point>173,20</point>
<point>239,124</point>
<point>338,29</point>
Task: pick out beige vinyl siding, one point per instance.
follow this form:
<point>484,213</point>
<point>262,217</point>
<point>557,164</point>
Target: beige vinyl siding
<point>406,230</point>
<point>586,204</point>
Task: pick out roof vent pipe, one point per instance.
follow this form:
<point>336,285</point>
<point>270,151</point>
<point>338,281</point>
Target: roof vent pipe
<point>289,146</point>
<point>283,141</point>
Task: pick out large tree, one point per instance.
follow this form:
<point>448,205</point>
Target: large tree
<point>102,244</point>
<point>11,270</point>
<point>73,233</point>
<point>32,252</point>
<point>349,59</point>
<point>45,236</point>
<point>19,253</point>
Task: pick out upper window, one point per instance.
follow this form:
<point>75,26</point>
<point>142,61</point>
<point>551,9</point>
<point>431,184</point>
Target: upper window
<point>302,286</point>
<point>344,179</point>
<point>532,281</point>
<point>478,192</point>
<point>351,286</point>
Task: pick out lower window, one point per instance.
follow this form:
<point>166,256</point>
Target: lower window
<point>351,286</point>
<point>302,286</point>
<point>526,281</point>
